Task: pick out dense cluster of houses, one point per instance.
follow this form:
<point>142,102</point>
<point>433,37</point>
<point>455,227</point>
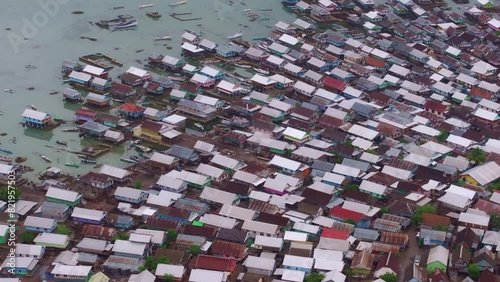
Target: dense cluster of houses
<point>352,138</point>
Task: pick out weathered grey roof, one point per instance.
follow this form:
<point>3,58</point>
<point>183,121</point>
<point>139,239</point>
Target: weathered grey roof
<point>181,152</point>
<point>94,126</point>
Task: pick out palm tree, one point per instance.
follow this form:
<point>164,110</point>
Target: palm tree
<point>477,155</point>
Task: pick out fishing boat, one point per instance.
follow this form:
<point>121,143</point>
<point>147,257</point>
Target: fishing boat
<point>32,107</point>
<point>87,161</point>
<point>9,90</point>
<point>5,151</point>
<point>176,78</point>
<point>125,25</point>
<point>261,71</point>
<point>243,66</point>
<point>70,130</point>
<point>154,15</point>
<point>247,11</point>
<point>118,7</point>
<point>64,143</point>
<point>235,36</point>
<point>143,148</point>
<point>30,66</point>
<point>46,159</point>
<point>177,3</point>
<point>166,37</point>
<point>72,164</point>
<point>135,158</point>
<point>128,160</point>
<point>145,6</point>
<point>5,159</point>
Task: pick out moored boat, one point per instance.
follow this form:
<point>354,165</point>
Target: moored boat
<point>30,66</point>
<point>235,36</point>
<point>5,151</point>
<point>166,37</point>
<point>87,161</point>
<point>5,159</point>
<point>154,15</point>
<point>46,159</point>
<point>128,160</point>
<point>243,66</point>
<point>64,143</point>
<point>70,130</point>
<point>261,71</point>
<point>9,90</point>
<point>125,25</point>
<point>145,6</point>
<point>143,148</point>
<point>72,164</point>
<point>178,3</point>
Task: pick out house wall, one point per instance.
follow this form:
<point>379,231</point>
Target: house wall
<point>54,200</point>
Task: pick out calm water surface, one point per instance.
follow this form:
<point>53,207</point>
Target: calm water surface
<point>58,38</point>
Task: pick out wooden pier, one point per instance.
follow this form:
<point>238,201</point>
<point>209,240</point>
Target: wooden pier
<point>176,16</point>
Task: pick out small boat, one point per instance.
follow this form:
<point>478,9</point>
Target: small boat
<point>176,78</point>
<point>235,36</point>
<point>64,143</point>
<point>72,164</point>
<point>9,90</point>
<point>266,10</point>
<point>30,66</point>
<point>70,130</point>
<point>45,159</point>
<point>33,107</point>
<point>125,25</point>
<point>177,3</point>
<point>166,37</point>
<point>135,158</point>
<point>118,101</point>
<point>118,7</point>
<point>243,66</point>
<point>87,161</point>
<point>261,71</point>
<point>247,11</point>
<point>143,148</point>
<point>14,140</point>
<point>128,160</point>
<point>5,151</point>
<point>5,159</point>
<point>145,6</point>
<point>154,15</point>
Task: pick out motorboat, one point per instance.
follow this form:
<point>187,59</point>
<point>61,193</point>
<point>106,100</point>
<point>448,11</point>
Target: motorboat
<point>125,25</point>
<point>166,37</point>
<point>261,71</point>
<point>145,6</point>
<point>177,3</point>
<point>30,66</point>
<point>154,15</point>
<point>46,159</point>
<point>9,90</point>
<point>235,36</point>
<point>5,151</point>
<point>243,66</point>
<point>72,164</point>
<point>64,143</point>
<point>87,161</point>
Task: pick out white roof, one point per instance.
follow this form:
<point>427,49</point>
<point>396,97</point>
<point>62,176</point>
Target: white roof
<point>210,71</point>
<point>237,212</point>
<point>363,132</point>
<point>329,177</point>
<point>175,270</point>
<point>418,159</point>
<point>476,219</point>
<point>71,270</point>
<point>228,86</point>
<point>189,176</point>
<point>27,249</point>
<point>346,170</point>
<point>218,196</point>
<point>397,172</point>
<point>80,76</point>
<point>304,227</point>
<point>295,133</point>
<point>199,78</point>
<point>324,221</point>
<point>336,113</point>
<point>137,72</point>
<point>470,194</point>
<point>29,113</point>
<point>372,187</point>
<point>62,194</point>
<point>485,173</point>
<point>164,198</point>
<point>262,79</point>
<point>438,253</point>
<point>206,100</point>
<point>260,227</point>
<point>128,192</point>
<point>266,241</point>
<point>490,105</point>
<point>261,196</point>
<point>51,238</point>
<point>361,208</point>
<point>5,169</point>
<point>295,236</point>
<point>39,222</point>
<point>113,171</point>
<point>459,140</point>
<point>258,263</point>
<point>218,221</point>
<point>170,182</point>
<point>228,162</point>
<point>285,163</point>
<point>202,275</point>
<point>293,275</point>
<point>457,123</point>
<point>88,214</point>
<point>191,48</point>
<point>424,129</point>
<point>397,69</point>
<point>297,261</point>
<point>94,70</point>
<point>170,60</point>
<point>210,171</point>
<point>436,147</point>
<point>485,114</point>
<point>304,87</point>
<point>456,200</point>
<point>129,247</point>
